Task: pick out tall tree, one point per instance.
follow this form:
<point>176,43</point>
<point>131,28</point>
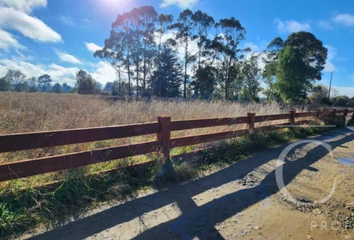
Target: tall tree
<point>292,84</point>
<point>309,48</point>
<point>66,88</point>
<point>148,18</point>
<point>121,44</point>
<point>57,88</point>
<point>312,52</point>
<point>319,95</point>
<point>164,22</point>
<point>44,82</point>
<point>203,78</point>
<point>228,45</point>
<point>115,52</point>
<point>32,84</point>
<point>270,69</point>
<point>184,29</point>
<point>16,78</point>
<point>5,85</point>
<point>250,75</point>
<point>85,83</point>
<point>166,79</point>
<point>107,88</point>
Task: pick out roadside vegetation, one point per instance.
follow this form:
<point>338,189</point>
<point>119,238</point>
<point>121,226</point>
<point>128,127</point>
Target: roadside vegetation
<point>24,205</point>
<point>191,67</point>
<point>195,56</point>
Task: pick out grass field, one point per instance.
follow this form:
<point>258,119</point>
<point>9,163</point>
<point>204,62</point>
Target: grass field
<point>24,206</point>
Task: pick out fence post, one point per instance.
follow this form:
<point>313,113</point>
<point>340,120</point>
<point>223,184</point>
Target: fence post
<point>292,116</point>
<point>334,114</point>
<point>318,112</point>
<point>251,121</point>
<point>164,136</point>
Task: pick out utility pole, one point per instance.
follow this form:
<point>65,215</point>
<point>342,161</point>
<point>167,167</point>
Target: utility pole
<point>329,91</point>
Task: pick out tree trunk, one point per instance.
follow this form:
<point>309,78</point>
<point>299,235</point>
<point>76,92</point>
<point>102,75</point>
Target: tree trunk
<point>137,78</point>
<point>119,83</point>
<point>144,70</point>
<point>185,71</point>
<point>129,81</point>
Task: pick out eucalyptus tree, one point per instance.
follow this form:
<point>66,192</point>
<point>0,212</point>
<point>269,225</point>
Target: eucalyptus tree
<point>126,30</point>
<point>85,83</point>
<point>204,75</point>
<point>270,59</point>
<point>116,53</point>
<point>202,24</point>
<point>44,82</point>
<point>16,78</point>
<point>250,75</point>
<point>147,19</point>
<point>132,42</point>
<point>184,31</point>
<point>227,44</point>
<point>164,22</point>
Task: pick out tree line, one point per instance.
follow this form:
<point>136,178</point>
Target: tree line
<point>15,80</point>
<point>195,56</point>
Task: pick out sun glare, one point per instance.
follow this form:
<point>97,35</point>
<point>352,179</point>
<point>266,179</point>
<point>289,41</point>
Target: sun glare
<point>114,6</point>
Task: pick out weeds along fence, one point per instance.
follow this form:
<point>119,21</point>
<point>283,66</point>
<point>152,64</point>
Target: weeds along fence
<point>164,143</point>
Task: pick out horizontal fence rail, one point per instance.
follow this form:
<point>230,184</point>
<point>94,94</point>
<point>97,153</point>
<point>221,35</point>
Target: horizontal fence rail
<point>203,123</point>
<point>164,143</point>
<point>16,142</point>
<point>74,160</point>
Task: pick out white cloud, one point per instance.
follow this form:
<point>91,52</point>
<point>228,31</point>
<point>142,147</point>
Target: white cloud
<point>63,74</point>
<point>92,47</point>
<point>325,24</point>
<point>332,52</point>
<point>252,46</point>
<point>27,68</point>
<point>7,41</point>
<point>291,26</point>
<point>344,18</point>
<point>24,5</point>
<point>179,3</point>
<point>329,66</point>
<point>66,20</point>
<point>104,73</point>
<point>66,57</point>
<point>58,73</point>
<point>86,23</point>
<point>29,26</point>
<point>348,91</point>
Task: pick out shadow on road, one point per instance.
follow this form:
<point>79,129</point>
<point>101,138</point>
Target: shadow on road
<point>196,220</point>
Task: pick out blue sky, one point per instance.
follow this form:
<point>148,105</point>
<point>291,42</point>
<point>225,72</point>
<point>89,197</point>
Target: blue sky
<point>59,36</point>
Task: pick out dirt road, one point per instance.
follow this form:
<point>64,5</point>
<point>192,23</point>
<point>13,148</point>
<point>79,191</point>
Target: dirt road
<point>242,201</point>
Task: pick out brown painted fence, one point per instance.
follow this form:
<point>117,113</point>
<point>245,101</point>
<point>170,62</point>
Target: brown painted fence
<point>163,128</point>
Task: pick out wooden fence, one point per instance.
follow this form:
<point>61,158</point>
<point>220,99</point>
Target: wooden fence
<point>163,128</point>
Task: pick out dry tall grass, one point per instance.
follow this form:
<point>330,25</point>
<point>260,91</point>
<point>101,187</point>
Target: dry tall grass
<point>31,112</point>
<point>21,112</point>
